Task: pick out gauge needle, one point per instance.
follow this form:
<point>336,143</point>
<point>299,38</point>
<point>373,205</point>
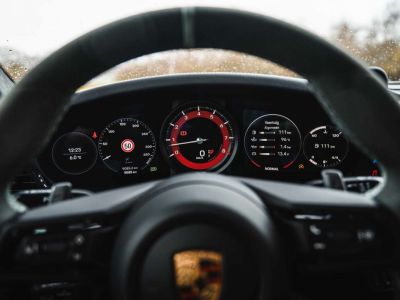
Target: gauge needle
<point>198,141</point>
<point>107,157</point>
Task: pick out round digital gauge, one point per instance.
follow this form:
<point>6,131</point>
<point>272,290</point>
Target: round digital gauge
<point>127,146</point>
<point>272,142</point>
<point>74,153</point>
<point>199,138</point>
<point>325,146</point>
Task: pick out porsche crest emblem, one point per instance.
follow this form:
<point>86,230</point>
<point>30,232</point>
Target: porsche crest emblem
<point>198,274</point>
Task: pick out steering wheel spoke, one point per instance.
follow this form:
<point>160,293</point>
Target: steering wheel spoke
<point>330,229</point>
<point>67,241</point>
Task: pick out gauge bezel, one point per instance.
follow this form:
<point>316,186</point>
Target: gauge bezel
<point>86,169</point>
<point>174,115</point>
<point>261,166</point>
<point>153,154</point>
<point>317,165</point>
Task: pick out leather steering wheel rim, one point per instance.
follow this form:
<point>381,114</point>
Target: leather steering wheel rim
<point>357,100</point>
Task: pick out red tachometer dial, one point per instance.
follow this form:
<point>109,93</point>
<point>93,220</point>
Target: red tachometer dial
<point>199,138</point>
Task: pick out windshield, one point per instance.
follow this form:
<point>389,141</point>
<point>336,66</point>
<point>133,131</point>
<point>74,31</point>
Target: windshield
<point>30,30</point>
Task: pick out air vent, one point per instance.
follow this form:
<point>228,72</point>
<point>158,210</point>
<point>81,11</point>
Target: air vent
<point>25,180</point>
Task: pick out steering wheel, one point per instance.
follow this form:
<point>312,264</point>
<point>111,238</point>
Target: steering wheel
<point>202,236</point>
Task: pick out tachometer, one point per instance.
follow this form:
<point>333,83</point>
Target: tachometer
<point>325,146</point>
<point>199,138</point>
<point>127,146</point>
<point>272,142</point>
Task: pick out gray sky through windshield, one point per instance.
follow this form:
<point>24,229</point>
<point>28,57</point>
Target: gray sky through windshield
<point>30,30</point>
<point>38,27</point>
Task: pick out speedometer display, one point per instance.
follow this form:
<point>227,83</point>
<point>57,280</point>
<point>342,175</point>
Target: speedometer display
<point>199,138</point>
<point>127,146</point>
<point>272,142</point>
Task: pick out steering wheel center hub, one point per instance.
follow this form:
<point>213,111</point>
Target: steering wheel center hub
<point>197,236</point>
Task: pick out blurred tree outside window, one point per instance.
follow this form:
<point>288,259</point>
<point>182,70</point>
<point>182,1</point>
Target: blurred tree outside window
<point>377,45</point>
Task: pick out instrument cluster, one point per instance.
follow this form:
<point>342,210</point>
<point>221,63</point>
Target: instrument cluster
<point>124,139</point>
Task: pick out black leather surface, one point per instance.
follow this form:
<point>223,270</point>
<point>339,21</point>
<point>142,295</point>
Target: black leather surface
<point>359,102</point>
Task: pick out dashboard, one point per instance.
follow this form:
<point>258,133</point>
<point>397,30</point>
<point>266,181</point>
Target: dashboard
<point>255,126</point>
